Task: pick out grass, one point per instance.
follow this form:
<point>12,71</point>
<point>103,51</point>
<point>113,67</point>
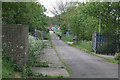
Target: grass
<point>89,51</point>
<point>81,44</point>
<point>66,39</point>
<point>87,47</point>
<point>41,64</point>
<point>84,45</point>
<point>40,75</point>
<point>55,76</point>
<point>9,69</point>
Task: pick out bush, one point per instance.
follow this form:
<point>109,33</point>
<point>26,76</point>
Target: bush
<point>65,38</point>
<point>35,47</point>
<point>117,56</point>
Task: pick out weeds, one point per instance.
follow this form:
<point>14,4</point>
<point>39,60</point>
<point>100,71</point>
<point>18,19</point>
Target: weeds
<point>35,47</point>
<point>28,71</point>
<point>41,64</point>
<point>65,38</point>
<point>84,44</point>
<point>9,67</point>
<point>117,56</point>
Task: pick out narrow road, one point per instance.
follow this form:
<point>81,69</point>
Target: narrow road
<point>82,64</point>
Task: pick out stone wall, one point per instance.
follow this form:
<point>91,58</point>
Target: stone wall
<point>15,42</point>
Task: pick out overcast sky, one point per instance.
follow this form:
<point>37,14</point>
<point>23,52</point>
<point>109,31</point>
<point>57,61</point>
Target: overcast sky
<point>49,3</point>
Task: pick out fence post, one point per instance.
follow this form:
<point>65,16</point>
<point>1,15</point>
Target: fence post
<point>94,42</point>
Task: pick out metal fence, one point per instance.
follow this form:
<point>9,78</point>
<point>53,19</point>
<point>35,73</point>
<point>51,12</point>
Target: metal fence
<point>105,44</point>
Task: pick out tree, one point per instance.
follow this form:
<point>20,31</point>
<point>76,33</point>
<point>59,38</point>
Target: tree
<point>84,19</point>
<point>61,8</point>
<point>29,13</point>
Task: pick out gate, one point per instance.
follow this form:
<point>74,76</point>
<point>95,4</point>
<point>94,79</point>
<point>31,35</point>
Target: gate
<point>105,44</point>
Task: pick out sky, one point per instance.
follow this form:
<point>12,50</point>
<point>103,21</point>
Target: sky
<point>49,3</point>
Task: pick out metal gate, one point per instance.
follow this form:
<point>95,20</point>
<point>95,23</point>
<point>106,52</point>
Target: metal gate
<point>105,44</point>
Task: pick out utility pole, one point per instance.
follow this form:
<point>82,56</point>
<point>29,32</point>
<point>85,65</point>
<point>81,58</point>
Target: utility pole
<point>99,23</point>
<point>99,29</point>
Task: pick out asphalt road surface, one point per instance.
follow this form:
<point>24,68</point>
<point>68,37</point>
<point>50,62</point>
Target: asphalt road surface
<point>82,64</point>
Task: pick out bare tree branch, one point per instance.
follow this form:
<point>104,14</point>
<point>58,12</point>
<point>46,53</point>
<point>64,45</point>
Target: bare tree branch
<point>59,8</point>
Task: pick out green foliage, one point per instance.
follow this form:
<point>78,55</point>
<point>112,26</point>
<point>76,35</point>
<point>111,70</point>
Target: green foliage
<point>28,71</point>
<point>6,69</point>
<point>40,75</point>
<point>117,56</point>
<point>28,13</point>
<point>53,20</point>
<point>58,32</point>
<point>9,67</point>
<point>47,37</point>
<point>109,14</point>
<point>41,64</point>
<point>81,24</point>
<point>54,26</point>
<point>84,44</point>
<point>34,48</point>
<point>65,38</point>
<point>83,19</point>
